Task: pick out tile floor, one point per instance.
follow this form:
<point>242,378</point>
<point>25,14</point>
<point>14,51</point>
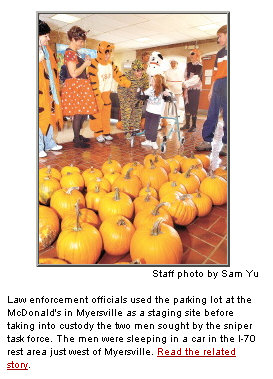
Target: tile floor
<point>204,240</point>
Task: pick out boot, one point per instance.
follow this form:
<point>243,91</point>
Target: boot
<point>187,125</point>
<point>80,144</point>
<point>82,139</point>
<point>204,146</point>
<point>223,151</point>
<point>193,126</point>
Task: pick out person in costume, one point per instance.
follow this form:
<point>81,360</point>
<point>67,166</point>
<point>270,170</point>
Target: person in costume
<point>101,73</point>
<point>50,112</point>
<point>130,104</point>
<point>78,99</point>
<point>192,87</point>
<point>174,78</point>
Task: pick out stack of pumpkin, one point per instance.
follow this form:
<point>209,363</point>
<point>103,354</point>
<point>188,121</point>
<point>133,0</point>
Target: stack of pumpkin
<point>133,209</point>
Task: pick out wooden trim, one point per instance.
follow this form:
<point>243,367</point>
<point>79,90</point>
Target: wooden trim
<point>198,42</point>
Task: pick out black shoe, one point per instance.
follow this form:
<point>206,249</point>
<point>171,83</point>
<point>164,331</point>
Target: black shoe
<point>192,129</point>
<point>82,145</point>
<point>82,139</point>
<point>193,125</point>
<point>186,126</point>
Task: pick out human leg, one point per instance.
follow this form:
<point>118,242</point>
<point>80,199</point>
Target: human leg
<point>42,152</point>
<point>77,123</point>
<point>49,143</point>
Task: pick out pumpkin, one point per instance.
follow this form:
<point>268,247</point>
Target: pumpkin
<point>202,202</point>
<point>147,217</point>
<point>200,172</point>
<point>205,159</point>
<point>94,197</point>
<point>136,262</point>
<point>64,200</point>
<point>156,176</point>
<point>148,190</point>
<point>190,181</point>
<point>169,187</point>
<point>187,163</point>
<point>85,216</point>
<point>71,169</point>
<point>137,168</point>
<point>161,162</point>
<point>72,179</point>
<point>49,226</point>
<point>174,176</point>
<point>52,261</point>
<point>111,166</point>
<point>116,232</point>
<point>112,176</point>
<point>216,188</point>
<point>102,182</point>
<point>47,186</point>
<point>145,202</point>
<point>174,164</point>
<point>180,158</point>
<point>131,185</point>
<point>116,203</point>
<point>81,244</point>
<point>91,173</point>
<point>160,244</point>
<point>221,171</point>
<point>183,209</point>
<point>50,172</point>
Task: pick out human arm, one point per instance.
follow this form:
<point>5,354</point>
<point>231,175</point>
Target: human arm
<point>120,78</point>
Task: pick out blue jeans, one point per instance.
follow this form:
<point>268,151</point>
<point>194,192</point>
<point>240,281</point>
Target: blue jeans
<point>218,101</point>
<point>46,142</point>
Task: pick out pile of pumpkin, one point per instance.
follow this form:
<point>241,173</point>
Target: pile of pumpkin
<point>126,209</point>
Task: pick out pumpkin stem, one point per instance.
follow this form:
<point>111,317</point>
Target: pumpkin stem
<point>188,173</point>
<point>135,262</point>
<point>156,230</point>
<point>127,175</point>
<point>156,159</point>
<point>117,194</point>
<point>173,184</point>
<point>135,163</point>
<point>198,193</point>
<point>109,159</point>
<point>48,170</point>
<point>121,222</point>
<point>69,190</point>
<point>153,166</point>
<point>78,213</point>
<point>97,188</point>
<point>148,197</point>
<point>155,212</point>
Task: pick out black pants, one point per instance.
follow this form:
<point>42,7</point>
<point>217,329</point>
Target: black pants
<point>192,106</point>
<point>151,126</point>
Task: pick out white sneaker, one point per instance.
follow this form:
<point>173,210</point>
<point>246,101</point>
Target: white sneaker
<point>108,137</point>
<point>56,148</point>
<point>42,154</point>
<point>100,138</point>
<point>154,145</point>
<point>146,143</point>
<point>159,127</point>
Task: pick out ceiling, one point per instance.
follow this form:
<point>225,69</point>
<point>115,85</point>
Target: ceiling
<point>157,29</point>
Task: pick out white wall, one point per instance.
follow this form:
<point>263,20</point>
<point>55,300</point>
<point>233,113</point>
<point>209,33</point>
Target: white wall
<point>119,59</point>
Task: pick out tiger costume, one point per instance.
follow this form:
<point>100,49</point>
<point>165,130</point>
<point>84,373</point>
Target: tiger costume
<point>101,73</point>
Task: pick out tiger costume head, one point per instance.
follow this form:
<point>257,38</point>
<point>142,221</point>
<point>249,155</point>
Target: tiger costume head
<point>104,51</point>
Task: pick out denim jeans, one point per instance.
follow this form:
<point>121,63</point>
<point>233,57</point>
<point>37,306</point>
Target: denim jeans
<point>46,142</point>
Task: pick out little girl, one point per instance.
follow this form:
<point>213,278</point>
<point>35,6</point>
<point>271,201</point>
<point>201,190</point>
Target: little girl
<point>154,109</point>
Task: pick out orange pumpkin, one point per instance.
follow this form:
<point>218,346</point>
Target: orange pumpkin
<point>71,169</point>
<point>72,179</point>
<point>86,216</point>
<point>148,190</point>
<point>111,165</point>
<point>174,164</point>
<point>94,197</point>
<point>216,188</point>
<point>49,226</point>
<point>50,172</point>
<point>221,171</point>
<point>116,203</point>
<point>91,173</point>
<point>203,203</point>
<point>160,244</point>
<point>129,184</point>
<point>64,200</point>
<point>180,158</point>
<point>137,168</point>
<point>200,172</point>
<point>145,202</point>
<point>190,181</point>
<point>205,159</point>
<point>156,176</point>
<point>147,217</point>
<point>116,232</point>
<point>189,162</point>
<point>47,186</point>
<point>183,209</point>
<point>102,182</point>
<point>52,261</point>
<point>174,176</point>
<point>112,176</point>
<point>161,162</point>
<point>169,187</point>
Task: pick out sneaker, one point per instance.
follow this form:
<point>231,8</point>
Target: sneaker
<point>159,127</point>
<point>223,151</point>
<point>56,148</point>
<point>204,146</point>
<point>146,143</point>
<point>107,137</point>
<point>100,139</point>
<point>154,145</point>
<point>42,154</point>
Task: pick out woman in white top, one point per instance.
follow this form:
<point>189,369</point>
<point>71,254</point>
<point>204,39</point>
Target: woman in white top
<point>154,109</point>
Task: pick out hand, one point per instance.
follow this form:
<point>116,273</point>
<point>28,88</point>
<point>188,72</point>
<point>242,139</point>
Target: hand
<point>209,95</point>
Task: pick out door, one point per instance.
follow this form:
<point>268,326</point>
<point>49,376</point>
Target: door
<point>208,64</point>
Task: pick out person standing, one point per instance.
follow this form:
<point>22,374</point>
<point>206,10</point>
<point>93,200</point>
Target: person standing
<point>78,99</point>
<point>174,78</point>
<point>192,87</point>
<point>217,96</point>
<point>145,58</point>
<point>50,112</point>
